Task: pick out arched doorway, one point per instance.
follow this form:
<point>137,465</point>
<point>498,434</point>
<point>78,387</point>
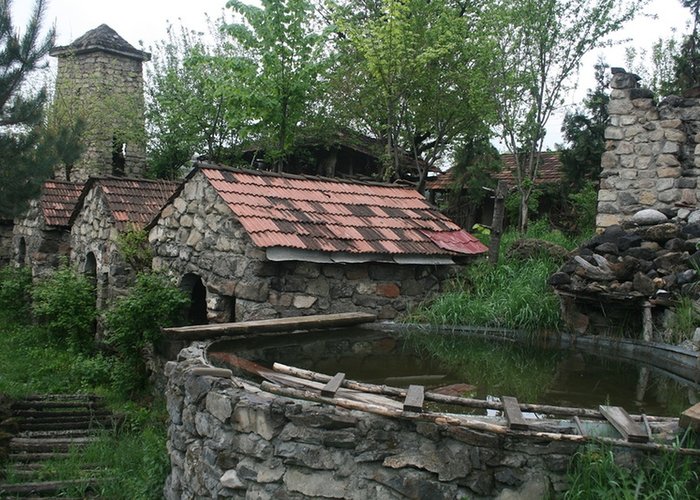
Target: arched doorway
<point>22,252</point>
<point>197,313</point>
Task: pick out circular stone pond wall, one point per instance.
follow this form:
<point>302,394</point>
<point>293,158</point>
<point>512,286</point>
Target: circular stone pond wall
<point>229,439</point>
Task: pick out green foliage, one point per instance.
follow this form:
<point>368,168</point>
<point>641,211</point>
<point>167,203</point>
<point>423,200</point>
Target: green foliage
<point>657,67</point>
<point>133,246</point>
<point>22,170</point>
<point>134,323</point>
<point>685,319</point>
<point>15,293</point>
<point>541,46</point>
<point>584,206</point>
<point>64,304</point>
<point>594,474</point>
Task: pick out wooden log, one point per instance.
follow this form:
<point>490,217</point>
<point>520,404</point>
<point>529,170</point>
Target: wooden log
<point>332,385</point>
<point>414,398</point>
<point>690,418</point>
<point>579,426</point>
<point>468,423</point>
<point>269,326</point>
<point>647,427</point>
<point>624,424</point>
<point>513,415</point>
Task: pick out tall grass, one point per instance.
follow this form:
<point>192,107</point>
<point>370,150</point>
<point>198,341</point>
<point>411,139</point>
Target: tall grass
<point>595,475</point>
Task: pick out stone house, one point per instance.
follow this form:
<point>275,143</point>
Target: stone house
<point>253,245</point>
<point>42,236</point>
<point>107,208</point>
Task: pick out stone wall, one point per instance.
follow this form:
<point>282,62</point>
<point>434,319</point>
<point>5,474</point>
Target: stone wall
<point>107,89</point>
<point>229,439</point>
<point>197,234</point>
<point>37,245</point>
<point>5,242</point>
<point>651,158</point>
<point>94,232</point>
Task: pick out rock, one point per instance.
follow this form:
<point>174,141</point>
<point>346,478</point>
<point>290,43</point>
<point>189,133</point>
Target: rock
<point>686,276</point>
<point>627,241</point>
<point>534,489</point>
<point>558,279</point>
<point>643,284</point>
<point>694,217</point>
<point>648,217</point>
<point>691,230</point>
<point>660,233</point>
<point>230,480</point>
<point>607,248</point>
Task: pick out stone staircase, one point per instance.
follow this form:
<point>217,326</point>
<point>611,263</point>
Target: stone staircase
<point>45,429</point>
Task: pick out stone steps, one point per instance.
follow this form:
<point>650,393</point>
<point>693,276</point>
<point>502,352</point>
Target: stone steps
<point>52,428</point>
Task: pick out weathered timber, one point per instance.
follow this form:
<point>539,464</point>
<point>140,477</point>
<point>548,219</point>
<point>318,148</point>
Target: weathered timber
<point>332,385</point>
<point>455,400</point>
<point>647,427</point>
<point>624,424</point>
<point>414,398</point>
<point>514,416</point>
<point>579,426</point>
<point>268,326</point>
<point>690,418</point>
<point>206,371</point>
<point>466,421</point>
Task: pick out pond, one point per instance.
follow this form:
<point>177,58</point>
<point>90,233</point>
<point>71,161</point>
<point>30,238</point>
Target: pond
<point>482,368</point>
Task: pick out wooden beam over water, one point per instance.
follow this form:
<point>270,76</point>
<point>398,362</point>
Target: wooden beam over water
<point>205,332</point>
<point>621,420</point>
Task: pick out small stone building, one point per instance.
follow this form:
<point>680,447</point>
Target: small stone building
<point>652,157</point>
<point>108,207</point>
<point>42,236</point>
<point>253,245</point>
<point>100,79</point>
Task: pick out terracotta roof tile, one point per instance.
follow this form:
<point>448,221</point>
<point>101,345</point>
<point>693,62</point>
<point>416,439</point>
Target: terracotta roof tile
<point>336,216</point>
<point>57,201</point>
<point>550,172</point>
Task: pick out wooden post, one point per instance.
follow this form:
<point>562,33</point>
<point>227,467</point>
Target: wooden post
<point>497,223</point>
<point>648,325</point>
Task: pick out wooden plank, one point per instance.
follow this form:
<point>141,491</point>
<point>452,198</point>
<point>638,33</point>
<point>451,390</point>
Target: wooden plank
<point>623,423</point>
<point>204,332</point>
<point>333,385</point>
<point>414,398</point>
<point>511,410</point>
<point>690,418</point>
<point>579,426</point>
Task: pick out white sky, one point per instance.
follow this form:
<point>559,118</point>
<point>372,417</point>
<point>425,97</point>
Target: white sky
<point>146,20</point>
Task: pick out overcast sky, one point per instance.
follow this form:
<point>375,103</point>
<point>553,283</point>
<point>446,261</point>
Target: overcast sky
<point>145,21</point>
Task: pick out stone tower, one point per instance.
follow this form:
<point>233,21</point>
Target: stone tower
<point>100,79</point>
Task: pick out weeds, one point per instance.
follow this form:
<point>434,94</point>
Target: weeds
<point>594,474</point>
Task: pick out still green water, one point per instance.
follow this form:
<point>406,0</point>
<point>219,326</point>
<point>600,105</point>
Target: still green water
<point>530,373</point>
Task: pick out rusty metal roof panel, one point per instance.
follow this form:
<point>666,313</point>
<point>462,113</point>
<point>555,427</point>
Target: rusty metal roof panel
<point>325,215</point>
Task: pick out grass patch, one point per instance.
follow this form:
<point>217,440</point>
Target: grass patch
<point>594,474</point>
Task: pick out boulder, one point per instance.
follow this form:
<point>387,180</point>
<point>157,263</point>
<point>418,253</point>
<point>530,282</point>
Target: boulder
<point>659,233</point>
<point>649,217</point>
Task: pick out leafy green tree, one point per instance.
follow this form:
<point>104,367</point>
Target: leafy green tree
<point>657,67</point>
<point>541,47</point>
<point>284,39</point>
<point>420,78</point>
<point>584,132</point>
<point>22,170</point>
<point>196,99</point>
<point>688,61</point>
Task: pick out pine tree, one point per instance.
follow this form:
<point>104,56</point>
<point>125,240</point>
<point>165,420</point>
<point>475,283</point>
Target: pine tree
<point>22,167</point>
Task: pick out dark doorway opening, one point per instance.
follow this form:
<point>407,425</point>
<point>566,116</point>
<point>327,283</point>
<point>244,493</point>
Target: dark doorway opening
<point>22,252</point>
<point>197,313</point>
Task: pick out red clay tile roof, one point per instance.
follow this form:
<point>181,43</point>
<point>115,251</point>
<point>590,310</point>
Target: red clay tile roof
<point>131,201</point>
<point>57,201</point>
<point>329,215</point>
<point>550,172</point>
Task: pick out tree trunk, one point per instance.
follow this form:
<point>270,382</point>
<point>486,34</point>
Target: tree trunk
<point>523,212</point>
<point>497,223</point>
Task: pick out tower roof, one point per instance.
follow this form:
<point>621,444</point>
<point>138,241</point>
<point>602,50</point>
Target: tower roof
<point>103,38</point>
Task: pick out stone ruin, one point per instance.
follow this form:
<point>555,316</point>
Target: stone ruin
<point>624,279</point>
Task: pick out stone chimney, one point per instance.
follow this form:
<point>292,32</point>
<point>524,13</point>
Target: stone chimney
<point>650,159</point>
<point>100,78</point>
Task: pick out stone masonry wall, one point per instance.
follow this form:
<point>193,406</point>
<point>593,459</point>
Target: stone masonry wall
<point>5,242</point>
<point>43,245</point>
<point>94,231</point>
<point>198,234</point>
<point>108,89</point>
<point>652,158</point>
<point>229,439</point>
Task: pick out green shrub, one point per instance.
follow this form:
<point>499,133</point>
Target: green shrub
<point>64,303</point>
<point>134,323</point>
<point>15,293</point>
<point>684,320</point>
<point>584,206</point>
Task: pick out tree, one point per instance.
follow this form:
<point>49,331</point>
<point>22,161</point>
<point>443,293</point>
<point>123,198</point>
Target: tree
<point>196,99</point>
<point>688,61</point>
<point>541,48</point>
<point>420,78</point>
<point>284,40</point>
<point>584,132</point>
<point>22,169</point>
